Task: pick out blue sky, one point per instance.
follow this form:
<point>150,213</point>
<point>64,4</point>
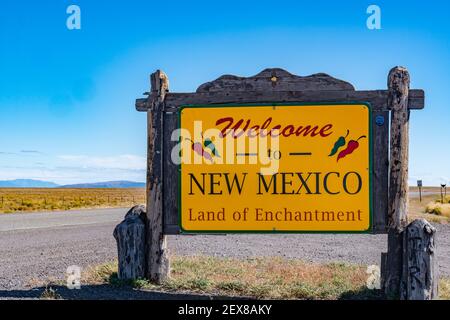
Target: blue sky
<point>67,96</point>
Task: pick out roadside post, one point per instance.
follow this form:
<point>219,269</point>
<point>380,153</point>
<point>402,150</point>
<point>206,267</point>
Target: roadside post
<point>443,192</point>
<point>339,167</point>
<point>419,185</point>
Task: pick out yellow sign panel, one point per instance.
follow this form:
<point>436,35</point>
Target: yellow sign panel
<point>275,168</point>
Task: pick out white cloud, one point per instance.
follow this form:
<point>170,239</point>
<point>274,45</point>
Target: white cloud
<point>69,169</point>
<point>428,179</point>
<point>70,175</point>
<point>125,162</point>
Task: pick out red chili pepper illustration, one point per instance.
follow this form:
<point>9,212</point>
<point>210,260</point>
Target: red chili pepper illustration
<point>207,156</point>
<point>351,146</point>
<point>198,149</point>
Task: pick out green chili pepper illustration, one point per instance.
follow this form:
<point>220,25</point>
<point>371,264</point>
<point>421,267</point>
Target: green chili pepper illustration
<point>351,146</point>
<point>339,143</point>
<point>210,145</point>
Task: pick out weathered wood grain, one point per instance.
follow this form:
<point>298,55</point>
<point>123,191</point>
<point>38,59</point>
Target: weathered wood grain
<point>380,170</point>
<point>274,79</point>
<point>158,268</point>
<point>170,187</point>
<point>130,236</point>
<point>392,271</point>
<point>383,267</point>
<point>377,98</point>
<point>172,229</point>
<point>398,83</point>
<point>420,277</point>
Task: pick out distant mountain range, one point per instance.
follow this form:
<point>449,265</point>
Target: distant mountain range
<point>30,183</point>
<point>107,184</point>
<point>27,183</point>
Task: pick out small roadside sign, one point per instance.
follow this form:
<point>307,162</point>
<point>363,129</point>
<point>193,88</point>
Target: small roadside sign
<point>419,184</point>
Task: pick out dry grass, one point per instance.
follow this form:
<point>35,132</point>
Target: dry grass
<point>33,199</point>
<point>430,208</point>
<point>99,274</point>
<point>444,289</point>
<point>50,293</point>
<point>262,278</point>
<point>438,209</point>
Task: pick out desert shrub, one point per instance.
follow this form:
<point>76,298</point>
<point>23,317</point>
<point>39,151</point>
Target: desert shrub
<point>438,208</point>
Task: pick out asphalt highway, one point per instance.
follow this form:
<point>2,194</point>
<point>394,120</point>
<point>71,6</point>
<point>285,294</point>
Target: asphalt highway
<point>36,247</point>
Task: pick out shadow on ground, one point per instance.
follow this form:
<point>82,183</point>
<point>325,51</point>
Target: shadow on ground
<point>363,294</point>
<point>108,292</point>
<point>104,292</point>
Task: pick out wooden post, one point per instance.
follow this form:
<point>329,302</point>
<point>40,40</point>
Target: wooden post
<point>158,267</point>
<point>420,270</point>
<point>398,93</point>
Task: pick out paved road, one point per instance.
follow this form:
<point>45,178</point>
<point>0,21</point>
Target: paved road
<point>416,194</point>
<point>41,220</point>
<point>41,246</point>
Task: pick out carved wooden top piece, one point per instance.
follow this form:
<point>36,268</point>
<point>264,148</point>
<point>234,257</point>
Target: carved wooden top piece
<point>275,79</point>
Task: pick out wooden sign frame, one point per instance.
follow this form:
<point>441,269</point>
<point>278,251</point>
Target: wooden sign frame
<point>389,159</point>
<point>272,86</point>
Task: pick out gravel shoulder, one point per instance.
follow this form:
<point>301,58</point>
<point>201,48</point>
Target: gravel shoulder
<point>31,254</point>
